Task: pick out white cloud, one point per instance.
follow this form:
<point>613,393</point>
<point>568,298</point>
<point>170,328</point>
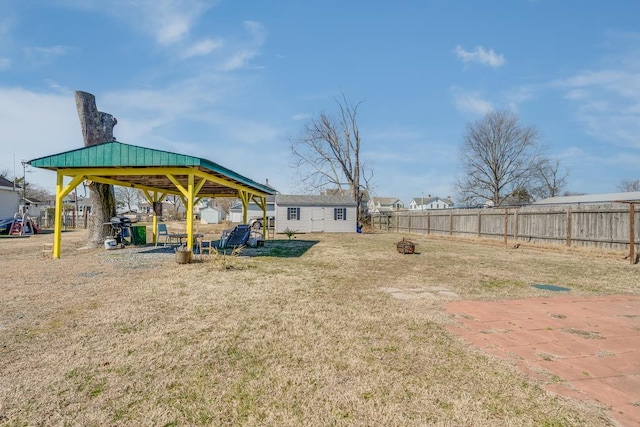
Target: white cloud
<point>167,21</point>
<point>471,102</point>
<point>607,103</point>
<point>246,51</point>
<point>40,124</point>
<point>238,60</point>
<point>202,48</point>
<point>257,30</point>
<point>5,63</point>
<point>35,125</point>
<point>481,56</point>
<point>43,55</point>
<point>301,116</point>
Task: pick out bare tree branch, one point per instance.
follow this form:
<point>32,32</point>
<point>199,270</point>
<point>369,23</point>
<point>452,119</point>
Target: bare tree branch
<point>627,185</point>
<point>128,196</point>
<point>327,152</point>
<point>499,157</point>
<point>550,179</point>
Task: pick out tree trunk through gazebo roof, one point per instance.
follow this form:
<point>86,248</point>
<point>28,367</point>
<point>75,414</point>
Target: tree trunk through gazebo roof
<point>97,128</point>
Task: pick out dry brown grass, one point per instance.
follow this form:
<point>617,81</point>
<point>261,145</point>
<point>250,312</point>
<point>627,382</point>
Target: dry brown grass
<point>322,330</point>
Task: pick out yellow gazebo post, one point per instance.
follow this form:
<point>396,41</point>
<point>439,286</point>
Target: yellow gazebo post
<point>261,201</point>
<point>153,199</point>
<point>189,194</point>
<point>60,193</point>
<point>245,198</point>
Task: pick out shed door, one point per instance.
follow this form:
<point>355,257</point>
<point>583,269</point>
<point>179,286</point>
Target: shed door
<point>317,219</point>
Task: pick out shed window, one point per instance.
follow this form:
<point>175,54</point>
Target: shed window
<point>293,214</point>
<point>340,214</point>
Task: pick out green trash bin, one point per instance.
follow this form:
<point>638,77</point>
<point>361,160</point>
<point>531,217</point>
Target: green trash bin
<point>139,234</point>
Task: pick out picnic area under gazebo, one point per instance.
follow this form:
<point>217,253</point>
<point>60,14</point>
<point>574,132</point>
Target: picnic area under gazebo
<point>156,173</point>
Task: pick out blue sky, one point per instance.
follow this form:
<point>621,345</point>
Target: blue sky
<point>234,81</point>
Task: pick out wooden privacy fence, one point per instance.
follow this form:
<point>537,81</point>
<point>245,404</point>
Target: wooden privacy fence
<point>604,227</point>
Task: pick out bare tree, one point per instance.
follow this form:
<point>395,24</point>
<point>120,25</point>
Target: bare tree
<point>499,157</point>
<point>327,153</point>
<point>97,128</point>
<point>224,203</point>
<point>35,192</point>
<point>127,197</point>
<point>628,185</point>
<point>176,204</point>
<point>550,179</point>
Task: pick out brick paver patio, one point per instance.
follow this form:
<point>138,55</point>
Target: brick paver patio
<point>577,346</point>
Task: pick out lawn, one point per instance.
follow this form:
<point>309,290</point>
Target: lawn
<point>320,330</point>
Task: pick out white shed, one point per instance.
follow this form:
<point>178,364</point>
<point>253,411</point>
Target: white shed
<point>312,213</point>
<point>253,211</point>
<point>211,215</point>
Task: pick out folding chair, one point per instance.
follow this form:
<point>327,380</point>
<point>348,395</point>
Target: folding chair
<point>163,231</point>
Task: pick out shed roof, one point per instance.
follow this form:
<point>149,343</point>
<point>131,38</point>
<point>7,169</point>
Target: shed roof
<point>314,200</point>
<point>147,167</point>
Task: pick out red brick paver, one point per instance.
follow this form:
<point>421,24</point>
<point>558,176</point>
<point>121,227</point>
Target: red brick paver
<point>591,343</point>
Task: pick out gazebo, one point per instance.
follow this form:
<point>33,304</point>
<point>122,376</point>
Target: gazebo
<point>157,173</point>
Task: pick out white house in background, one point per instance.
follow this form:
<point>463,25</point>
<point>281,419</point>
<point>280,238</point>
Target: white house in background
<point>211,215</point>
<point>378,205</point>
<point>9,199</point>
<point>253,211</point>
<point>315,213</point>
<point>426,203</point>
<point>35,208</point>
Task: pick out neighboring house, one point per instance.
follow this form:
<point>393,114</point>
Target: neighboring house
<point>9,199</point>
<point>170,207</point>
<point>379,205</point>
<point>426,203</point>
<point>315,213</point>
<point>35,208</point>
<point>211,215</point>
<point>253,211</point>
<point>589,199</point>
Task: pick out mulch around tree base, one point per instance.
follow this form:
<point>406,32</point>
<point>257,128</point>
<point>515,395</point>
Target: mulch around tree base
<point>578,346</point>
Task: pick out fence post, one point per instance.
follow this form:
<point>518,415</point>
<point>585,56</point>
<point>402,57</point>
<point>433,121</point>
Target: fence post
<point>428,222</point>
<point>515,225</point>
<point>479,223</point>
<point>451,223</point>
<point>569,218</point>
<point>506,227</point>
<point>632,233</point>
<point>410,223</point>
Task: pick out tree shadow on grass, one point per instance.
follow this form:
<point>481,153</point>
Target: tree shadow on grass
<point>280,248</point>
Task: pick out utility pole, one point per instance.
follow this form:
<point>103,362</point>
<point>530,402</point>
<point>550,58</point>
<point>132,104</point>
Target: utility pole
<point>24,186</point>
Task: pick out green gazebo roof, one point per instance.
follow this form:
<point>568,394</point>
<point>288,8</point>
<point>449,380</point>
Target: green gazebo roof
<point>120,157</point>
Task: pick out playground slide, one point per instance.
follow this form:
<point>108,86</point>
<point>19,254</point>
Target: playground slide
<point>19,226</point>
<point>5,224</point>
